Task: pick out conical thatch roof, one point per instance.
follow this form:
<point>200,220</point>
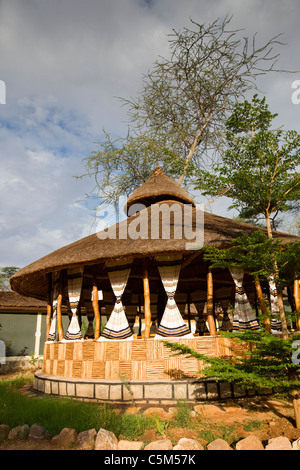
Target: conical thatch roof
<point>157,188</point>
<point>94,250</point>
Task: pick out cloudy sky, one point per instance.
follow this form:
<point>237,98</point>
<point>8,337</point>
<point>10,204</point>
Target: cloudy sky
<point>63,63</point>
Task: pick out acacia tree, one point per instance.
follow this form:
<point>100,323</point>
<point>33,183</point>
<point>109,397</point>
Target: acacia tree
<point>5,273</point>
<point>260,165</point>
<point>260,169</point>
<point>183,103</point>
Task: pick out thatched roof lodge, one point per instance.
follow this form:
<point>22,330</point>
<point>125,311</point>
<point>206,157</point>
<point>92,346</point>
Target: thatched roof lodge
<point>148,268</point>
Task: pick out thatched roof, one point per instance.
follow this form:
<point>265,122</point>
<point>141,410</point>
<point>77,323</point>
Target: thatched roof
<point>157,188</point>
<point>11,301</point>
<point>92,250</point>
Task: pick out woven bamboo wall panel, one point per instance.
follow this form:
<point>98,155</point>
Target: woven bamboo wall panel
<point>98,370</point>
<point>134,360</point>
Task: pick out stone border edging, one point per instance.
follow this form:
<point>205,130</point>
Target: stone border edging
<point>106,440</point>
<point>162,392</point>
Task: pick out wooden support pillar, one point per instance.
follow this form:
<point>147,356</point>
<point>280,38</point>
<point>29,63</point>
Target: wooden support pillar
<point>147,307</point>
<point>297,302</point>
<point>296,403</point>
<point>210,304</point>
<point>59,320</point>
<point>97,314</point>
<point>49,306</point>
<point>262,304</point>
<point>38,335</point>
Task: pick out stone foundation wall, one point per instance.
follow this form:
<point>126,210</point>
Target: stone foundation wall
<point>157,392</point>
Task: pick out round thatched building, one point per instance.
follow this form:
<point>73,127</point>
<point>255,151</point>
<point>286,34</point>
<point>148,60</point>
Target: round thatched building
<point>138,282</point>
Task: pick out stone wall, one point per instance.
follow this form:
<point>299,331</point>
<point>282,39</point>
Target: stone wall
<point>157,392</point>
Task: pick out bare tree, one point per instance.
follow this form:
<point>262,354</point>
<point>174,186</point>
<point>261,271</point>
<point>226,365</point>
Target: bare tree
<point>178,118</point>
<point>186,97</point>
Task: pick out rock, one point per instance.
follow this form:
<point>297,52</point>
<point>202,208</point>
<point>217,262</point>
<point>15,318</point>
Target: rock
<point>14,432</point>
<point>233,408</point>
<point>249,443</point>
<point>132,410</point>
<point>4,431</point>
<point>66,438</point>
<point>86,440</point>
<point>37,432</point>
<point>129,445</point>
<point>208,409</point>
<point>157,411</point>
<point>296,444</point>
<point>218,444</point>
<point>24,432</point>
<point>106,440</point>
<point>188,444</point>
<point>279,443</point>
<point>163,444</point>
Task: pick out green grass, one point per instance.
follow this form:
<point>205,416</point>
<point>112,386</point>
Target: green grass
<point>183,417</point>
<point>57,413</point>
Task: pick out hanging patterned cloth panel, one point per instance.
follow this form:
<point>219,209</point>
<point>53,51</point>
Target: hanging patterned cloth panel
<point>73,332</point>
<point>244,317</point>
<point>52,331</point>
<point>275,321</point>
<point>117,328</point>
<point>172,323</point>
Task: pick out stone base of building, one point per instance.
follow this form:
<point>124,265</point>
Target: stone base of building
<point>164,392</point>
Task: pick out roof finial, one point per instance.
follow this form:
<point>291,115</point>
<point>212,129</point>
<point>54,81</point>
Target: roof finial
<point>158,171</point>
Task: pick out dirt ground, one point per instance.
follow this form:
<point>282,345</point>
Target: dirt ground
<point>263,416</point>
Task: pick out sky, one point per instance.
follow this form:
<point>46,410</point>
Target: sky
<point>63,64</point>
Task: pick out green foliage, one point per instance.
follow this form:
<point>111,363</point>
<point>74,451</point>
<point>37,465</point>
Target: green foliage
<point>266,365</point>
<point>5,273</point>
<point>260,165</point>
<point>256,253</point>
<point>183,417</point>
<point>121,165</point>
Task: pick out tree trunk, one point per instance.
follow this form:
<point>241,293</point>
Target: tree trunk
<point>278,287</point>
<point>262,304</point>
<point>268,223</point>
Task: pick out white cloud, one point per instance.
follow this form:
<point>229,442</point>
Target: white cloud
<point>63,62</point>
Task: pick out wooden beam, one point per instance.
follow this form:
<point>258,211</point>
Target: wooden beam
<point>97,314</point>
<point>147,307</point>
<point>190,259</point>
<point>210,304</point>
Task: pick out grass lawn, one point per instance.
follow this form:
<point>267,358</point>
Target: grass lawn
<point>57,413</point>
